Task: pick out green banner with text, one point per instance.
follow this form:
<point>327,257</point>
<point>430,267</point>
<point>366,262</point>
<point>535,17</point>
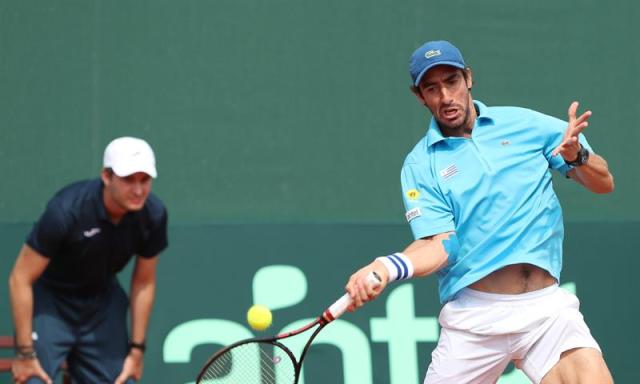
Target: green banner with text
<point>212,274</point>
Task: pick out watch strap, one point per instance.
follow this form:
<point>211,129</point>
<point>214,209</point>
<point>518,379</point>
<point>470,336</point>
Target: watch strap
<point>583,155</point>
<point>141,346</point>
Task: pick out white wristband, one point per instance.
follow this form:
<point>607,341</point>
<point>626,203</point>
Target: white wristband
<point>398,265</point>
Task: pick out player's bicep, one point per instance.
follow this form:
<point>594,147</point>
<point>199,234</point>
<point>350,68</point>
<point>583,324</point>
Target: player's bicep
<point>145,269</point>
<point>29,265</point>
<point>427,210</point>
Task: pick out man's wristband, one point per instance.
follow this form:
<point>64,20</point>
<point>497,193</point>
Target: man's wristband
<point>23,353</point>
<point>141,346</point>
<point>398,265</point>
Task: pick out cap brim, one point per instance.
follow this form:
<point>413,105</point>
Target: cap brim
<point>123,171</point>
<point>449,63</point>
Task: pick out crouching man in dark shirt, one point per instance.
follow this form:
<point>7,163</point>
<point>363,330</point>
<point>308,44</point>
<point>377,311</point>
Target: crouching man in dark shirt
<point>66,300</point>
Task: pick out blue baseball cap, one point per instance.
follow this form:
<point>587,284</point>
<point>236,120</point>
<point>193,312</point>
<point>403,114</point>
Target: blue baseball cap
<point>434,53</point>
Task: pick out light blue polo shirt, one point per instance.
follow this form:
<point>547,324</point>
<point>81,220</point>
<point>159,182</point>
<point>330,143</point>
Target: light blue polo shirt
<point>493,189</point>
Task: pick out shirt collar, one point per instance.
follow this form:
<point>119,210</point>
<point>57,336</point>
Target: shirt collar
<point>434,134</point>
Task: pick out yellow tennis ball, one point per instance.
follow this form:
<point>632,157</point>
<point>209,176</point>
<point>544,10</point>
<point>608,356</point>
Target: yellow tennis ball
<point>259,317</point>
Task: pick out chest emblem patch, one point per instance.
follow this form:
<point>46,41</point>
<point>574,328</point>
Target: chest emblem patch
<point>91,232</point>
<point>449,171</point>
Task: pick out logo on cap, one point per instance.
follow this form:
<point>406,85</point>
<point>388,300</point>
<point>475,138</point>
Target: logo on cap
<point>432,53</point>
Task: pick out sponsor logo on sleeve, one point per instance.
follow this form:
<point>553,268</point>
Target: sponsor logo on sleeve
<point>412,214</point>
<point>413,194</point>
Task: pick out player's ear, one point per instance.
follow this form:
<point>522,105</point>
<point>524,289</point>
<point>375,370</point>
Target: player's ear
<point>416,91</point>
<point>106,175</point>
<point>468,77</point>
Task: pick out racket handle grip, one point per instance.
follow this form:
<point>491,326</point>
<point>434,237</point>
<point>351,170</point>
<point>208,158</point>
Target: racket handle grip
<point>340,306</point>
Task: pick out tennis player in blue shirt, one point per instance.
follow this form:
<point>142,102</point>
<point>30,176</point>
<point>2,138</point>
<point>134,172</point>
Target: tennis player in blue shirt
<point>480,202</point>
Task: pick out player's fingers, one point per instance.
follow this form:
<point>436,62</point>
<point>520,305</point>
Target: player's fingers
<point>365,289</point>
<point>368,289</point>
<point>39,372</point>
<point>575,127</point>
<point>558,149</point>
<point>362,291</point>
<point>373,290</point>
<point>584,117</point>
<point>580,127</point>
<point>357,302</point>
<point>352,290</point>
<point>121,378</point>
<point>43,375</point>
<point>350,287</point>
<point>573,108</point>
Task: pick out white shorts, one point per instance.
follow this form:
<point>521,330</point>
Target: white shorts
<point>482,332</point>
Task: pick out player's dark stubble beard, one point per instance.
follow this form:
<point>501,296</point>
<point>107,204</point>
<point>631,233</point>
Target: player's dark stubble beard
<point>463,127</point>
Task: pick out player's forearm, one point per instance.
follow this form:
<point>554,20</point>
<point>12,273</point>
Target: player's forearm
<point>594,175</point>
<point>431,254</point>
<point>142,298</point>
<point>21,296</point>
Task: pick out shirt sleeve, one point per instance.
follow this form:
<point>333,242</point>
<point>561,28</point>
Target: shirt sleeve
<point>49,232</point>
<point>553,130</point>
<point>427,211</point>
<point>156,240</point>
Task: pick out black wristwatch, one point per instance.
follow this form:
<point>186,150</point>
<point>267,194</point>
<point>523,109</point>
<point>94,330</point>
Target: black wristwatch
<point>26,354</point>
<point>141,346</point>
<point>583,156</point>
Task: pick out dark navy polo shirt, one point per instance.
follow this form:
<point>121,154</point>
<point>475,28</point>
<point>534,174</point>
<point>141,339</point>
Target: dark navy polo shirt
<point>85,248</point>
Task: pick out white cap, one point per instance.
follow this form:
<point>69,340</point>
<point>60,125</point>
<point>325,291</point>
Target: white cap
<point>128,155</point>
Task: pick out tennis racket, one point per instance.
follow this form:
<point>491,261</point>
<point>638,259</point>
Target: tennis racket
<point>267,360</point>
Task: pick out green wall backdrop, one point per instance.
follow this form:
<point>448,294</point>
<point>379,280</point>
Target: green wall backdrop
<point>280,127</point>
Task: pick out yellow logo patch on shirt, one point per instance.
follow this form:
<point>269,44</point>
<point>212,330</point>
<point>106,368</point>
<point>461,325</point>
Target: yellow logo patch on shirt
<point>413,194</point>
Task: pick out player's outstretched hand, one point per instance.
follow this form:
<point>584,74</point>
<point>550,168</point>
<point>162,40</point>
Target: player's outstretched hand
<point>23,369</point>
<point>360,290</point>
<point>570,145</point>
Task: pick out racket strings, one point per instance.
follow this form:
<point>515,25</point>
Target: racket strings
<point>252,363</point>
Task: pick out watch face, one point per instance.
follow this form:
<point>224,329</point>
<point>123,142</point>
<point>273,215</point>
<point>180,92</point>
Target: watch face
<point>583,155</point>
